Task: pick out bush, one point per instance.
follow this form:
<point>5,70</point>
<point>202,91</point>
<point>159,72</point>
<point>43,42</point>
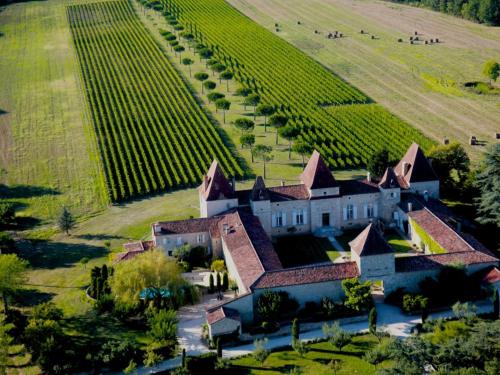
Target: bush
<point>274,305</point>
<point>202,364</point>
<point>47,311</point>
<point>414,303</point>
<point>117,354</point>
<point>328,307</point>
<point>7,213</point>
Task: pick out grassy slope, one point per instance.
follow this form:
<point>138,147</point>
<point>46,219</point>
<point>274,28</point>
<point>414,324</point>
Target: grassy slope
<point>316,361</point>
<point>420,83</point>
<point>44,131</point>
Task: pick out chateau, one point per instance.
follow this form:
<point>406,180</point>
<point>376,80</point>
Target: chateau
<point>240,226</point>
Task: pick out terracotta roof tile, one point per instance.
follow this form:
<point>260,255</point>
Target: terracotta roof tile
<point>355,187</point>
<point>132,249</point>
<point>316,174</point>
<point>307,275</point>
<point>428,262</point>
<point>370,242</point>
<point>492,277</point>
<point>215,185</point>
<point>220,313</point>
<point>188,226</point>
<point>288,192</point>
<point>419,168</point>
<point>389,180</point>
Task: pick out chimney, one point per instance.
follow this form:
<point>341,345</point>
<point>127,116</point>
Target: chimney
<point>225,227</point>
<point>282,182</point>
<point>157,228</point>
<point>234,184</point>
<point>410,206</point>
<point>406,167</point>
<point>368,177</point>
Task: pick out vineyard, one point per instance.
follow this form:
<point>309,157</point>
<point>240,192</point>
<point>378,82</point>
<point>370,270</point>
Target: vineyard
<point>151,132</point>
<point>344,125</point>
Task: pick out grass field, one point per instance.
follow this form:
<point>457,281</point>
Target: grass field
<point>420,83</point>
<point>315,361</point>
<point>295,251</point>
<point>46,149</point>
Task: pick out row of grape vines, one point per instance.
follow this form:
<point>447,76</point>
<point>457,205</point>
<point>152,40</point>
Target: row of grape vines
<point>152,134</point>
<point>340,121</point>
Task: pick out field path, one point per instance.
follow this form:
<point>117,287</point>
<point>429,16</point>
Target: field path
<point>420,83</point>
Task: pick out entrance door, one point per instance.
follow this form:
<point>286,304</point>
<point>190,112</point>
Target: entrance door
<point>325,219</point>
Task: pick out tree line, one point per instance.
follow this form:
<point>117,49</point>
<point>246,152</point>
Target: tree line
<point>482,11</point>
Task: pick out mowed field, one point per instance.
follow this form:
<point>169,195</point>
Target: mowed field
<point>46,147</point>
<point>420,83</point>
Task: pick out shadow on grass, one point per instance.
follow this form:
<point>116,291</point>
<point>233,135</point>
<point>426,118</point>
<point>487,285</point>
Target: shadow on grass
<point>25,191</point>
<point>347,353</point>
<point>31,297</point>
<point>48,254</point>
<point>241,369</point>
<point>97,237</point>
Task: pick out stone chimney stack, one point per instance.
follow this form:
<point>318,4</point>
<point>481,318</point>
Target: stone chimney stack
<point>410,206</point>
<point>368,177</point>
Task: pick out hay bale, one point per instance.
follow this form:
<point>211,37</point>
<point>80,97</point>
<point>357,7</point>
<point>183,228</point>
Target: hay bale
<point>341,35</point>
<point>437,40</point>
<point>473,140</point>
<point>373,36</point>
<point>362,32</point>
<point>298,22</point>
<point>316,31</point>
<point>277,30</point>
<point>416,33</point>
<point>416,38</point>
<point>446,141</point>
<point>400,40</point>
<point>432,41</point>
<point>411,41</point>
<point>426,42</point>
<point>497,136</point>
<point>411,38</point>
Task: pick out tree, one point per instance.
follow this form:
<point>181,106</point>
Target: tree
<point>263,152</point>
<point>374,356</point>
<point>244,124</point>
<point>219,348</point>
<point>358,295</point>
<point>302,148</point>
<point>179,50</point>
<point>491,70</point>
<point>295,330</point>
<point>488,181</point>
<point>223,104</point>
<point>214,96</point>
<point>7,244</point>
<point>188,62</point>
<point>218,284</point>
<point>278,121</point>
<point>248,140</point>
<point>209,85</point>
<point>225,281</point>
<point>5,342</point>
<point>7,213</point>
<point>205,53</point>
<point>265,110</point>
<point>252,100</point>
<point>162,325</point>
<point>260,352</point>
<point>66,222</point>
<point>243,91</point>
<point>153,271</point>
<point>218,265</point>
<point>447,161</point>
<point>226,76</point>
<point>378,162</point>
<point>338,337</point>
<point>201,76</point>
<point>496,304</point>
<point>372,320</point>
<point>211,287</point>
<point>290,133</point>
<point>218,68</point>
<point>12,276</point>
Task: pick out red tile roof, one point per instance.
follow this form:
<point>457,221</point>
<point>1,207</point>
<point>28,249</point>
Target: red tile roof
<point>492,277</point>
<point>307,275</point>
<point>132,249</point>
<point>316,174</point>
<point>427,262</point>
<point>370,242</point>
<point>220,313</point>
<point>288,192</point>
<point>215,185</point>
<point>249,246</point>
<point>419,169</point>
<point>389,180</point>
<point>355,187</point>
<point>259,191</point>
<point>188,226</point>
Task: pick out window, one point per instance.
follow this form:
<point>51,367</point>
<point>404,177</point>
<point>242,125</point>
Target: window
<point>350,212</point>
<point>200,238</point>
<point>370,212</point>
<point>299,217</point>
<point>279,219</point>
<point>179,241</point>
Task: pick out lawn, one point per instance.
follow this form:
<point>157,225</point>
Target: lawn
<point>316,361</point>
<point>47,153</point>
<point>348,236</point>
<point>299,250</point>
<point>422,84</point>
<point>398,243</point>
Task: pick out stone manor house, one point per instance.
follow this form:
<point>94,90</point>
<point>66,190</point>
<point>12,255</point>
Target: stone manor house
<point>240,225</point>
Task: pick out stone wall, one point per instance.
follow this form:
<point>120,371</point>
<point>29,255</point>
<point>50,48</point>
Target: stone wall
<point>287,209</point>
<point>231,267</point>
<point>224,327</point>
<point>171,241</point>
<point>212,208</point>
<point>244,305</point>
<point>432,187</point>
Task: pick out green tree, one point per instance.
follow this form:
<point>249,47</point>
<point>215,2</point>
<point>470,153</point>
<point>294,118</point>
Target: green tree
<point>5,342</point>
<point>496,304</point>
<point>243,91</point>
<point>302,148</point>
<point>488,181</point>
<point>188,62</point>
<point>244,124</point>
<point>378,162</point>
<point>260,352</point>
<point>265,110</point>
<point>263,152</point>
<point>211,286</point>
<point>201,76</point>
<point>12,276</point>
<point>336,336</point>
<point>7,244</point>
<point>226,76</point>
<point>214,96</point>
<point>290,133</point>
<point>152,271</point>
<point>372,321</point>
<point>223,104</point>
<point>7,213</point>
<point>209,85</point>
<point>66,221</point>
<point>218,283</point>
<point>278,121</point>
<point>162,325</point>
<point>449,161</point>
<point>219,348</point>
<point>358,295</point>
<point>295,330</point>
<point>218,68</point>
<point>252,100</point>
<point>248,140</point>
<point>225,281</point>
<point>218,265</point>
<point>491,70</point>
<point>179,50</point>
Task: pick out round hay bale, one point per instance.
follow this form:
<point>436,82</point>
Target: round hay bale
<point>426,42</point>
<point>315,31</point>
<point>400,40</point>
<point>341,35</point>
<point>362,32</point>
<point>416,38</point>
<point>411,38</point>
<point>298,22</point>
<point>497,136</point>
<point>373,36</point>
<point>416,33</point>
<point>437,40</point>
<point>411,41</point>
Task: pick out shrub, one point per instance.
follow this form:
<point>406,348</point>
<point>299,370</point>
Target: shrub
<point>202,364</point>
<point>260,352</point>
<point>328,307</point>
<point>47,311</point>
<point>414,302</point>
<point>117,354</point>
<point>358,294</point>
<point>218,265</point>
<point>273,305</point>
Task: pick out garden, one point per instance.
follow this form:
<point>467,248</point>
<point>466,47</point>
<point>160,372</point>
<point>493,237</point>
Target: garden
<point>300,250</point>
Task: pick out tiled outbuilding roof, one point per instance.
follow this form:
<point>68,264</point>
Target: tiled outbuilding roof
<point>355,187</point>
<point>307,275</point>
<point>215,185</point>
<point>215,315</point>
<point>188,226</point>
<point>132,249</point>
<point>492,276</point>
<point>428,262</point>
<point>418,167</point>
<point>288,192</point>
<point>370,242</point>
<point>316,174</point>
